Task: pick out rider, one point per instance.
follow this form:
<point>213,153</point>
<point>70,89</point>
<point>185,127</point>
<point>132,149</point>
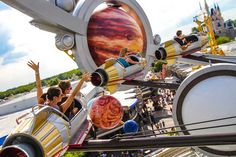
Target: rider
<point>182,40</point>
<point>125,60</point>
<point>54,95</point>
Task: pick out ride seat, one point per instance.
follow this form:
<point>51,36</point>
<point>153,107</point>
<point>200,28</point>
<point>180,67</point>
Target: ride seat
<point>179,41</point>
<point>123,63</point>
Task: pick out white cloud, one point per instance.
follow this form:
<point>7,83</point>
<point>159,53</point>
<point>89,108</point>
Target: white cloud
<point>36,44</point>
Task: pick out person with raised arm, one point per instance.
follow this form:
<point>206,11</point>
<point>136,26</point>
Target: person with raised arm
<point>41,97</point>
<point>54,95</point>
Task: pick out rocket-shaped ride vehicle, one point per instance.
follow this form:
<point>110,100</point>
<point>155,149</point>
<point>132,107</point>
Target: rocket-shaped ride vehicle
<point>172,51</point>
<point>115,71</point>
<point>46,132</point>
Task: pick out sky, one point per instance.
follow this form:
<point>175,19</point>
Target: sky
<point>20,41</point>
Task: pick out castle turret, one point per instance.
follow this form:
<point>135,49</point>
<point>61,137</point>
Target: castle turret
<point>217,19</point>
<point>206,7</point>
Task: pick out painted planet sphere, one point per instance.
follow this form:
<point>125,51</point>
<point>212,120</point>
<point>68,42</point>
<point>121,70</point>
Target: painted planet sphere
<point>130,126</point>
<point>109,31</point>
<point>106,112</point>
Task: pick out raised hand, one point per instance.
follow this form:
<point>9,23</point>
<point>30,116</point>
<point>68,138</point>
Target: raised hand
<point>33,66</point>
<point>86,76</point>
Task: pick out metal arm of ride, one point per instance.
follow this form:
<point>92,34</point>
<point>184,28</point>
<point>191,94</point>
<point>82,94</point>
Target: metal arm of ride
<point>151,84</point>
<point>155,142</point>
<point>49,14</point>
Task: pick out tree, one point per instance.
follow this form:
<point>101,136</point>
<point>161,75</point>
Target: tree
<point>157,67</point>
<point>234,22</point>
<point>194,30</point>
<point>51,81</point>
<point>222,40</point>
<point>44,83</point>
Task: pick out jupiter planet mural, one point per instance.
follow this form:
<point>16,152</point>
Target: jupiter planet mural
<point>110,30</point>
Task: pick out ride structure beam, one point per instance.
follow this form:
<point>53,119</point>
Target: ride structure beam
<point>153,84</point>
<point>155,142</point>
<point>49,14</point>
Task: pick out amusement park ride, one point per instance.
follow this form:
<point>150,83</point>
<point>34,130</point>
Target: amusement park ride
<point>204,104</point>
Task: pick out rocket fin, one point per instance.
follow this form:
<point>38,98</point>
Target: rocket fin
<point>112,88</point>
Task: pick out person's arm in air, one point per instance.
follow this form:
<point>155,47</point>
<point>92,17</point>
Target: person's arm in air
<point>35,67</point>
<point>64,106</point>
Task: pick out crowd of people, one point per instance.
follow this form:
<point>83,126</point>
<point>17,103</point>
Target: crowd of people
<point>156,107</point>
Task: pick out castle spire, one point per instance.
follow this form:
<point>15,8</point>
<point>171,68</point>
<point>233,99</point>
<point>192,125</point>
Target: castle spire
<point>218,8</point>
<point>206,7</point>
<point>200,6</point>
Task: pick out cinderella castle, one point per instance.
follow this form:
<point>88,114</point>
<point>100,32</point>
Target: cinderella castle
<point>221,27</point>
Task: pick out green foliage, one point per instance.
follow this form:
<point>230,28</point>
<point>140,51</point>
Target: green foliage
<point>158,66</point>
<point>69,74</point>
<point>18,90</point>
<point>216,36</point>
<point>75,154</point>
<point>222,40</point>
<point>54,80</point>
<point>44,83</point>
<point>194,30</point>
<point>234,22</point>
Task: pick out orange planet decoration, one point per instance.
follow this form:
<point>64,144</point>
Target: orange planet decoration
<point>106,112</point>
<point>109,31</point>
